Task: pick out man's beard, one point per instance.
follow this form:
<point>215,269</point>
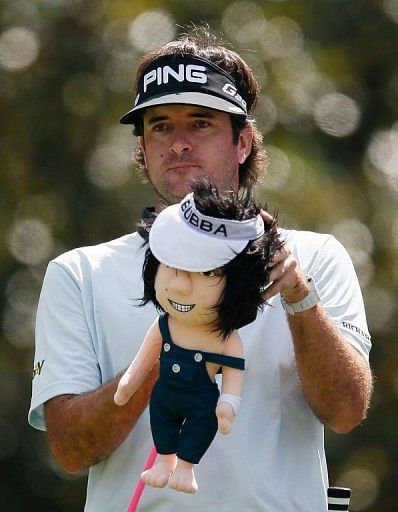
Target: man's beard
<point>166,195</point>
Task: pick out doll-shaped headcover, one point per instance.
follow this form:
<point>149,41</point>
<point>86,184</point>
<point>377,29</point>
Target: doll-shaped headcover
<point>208,231</point>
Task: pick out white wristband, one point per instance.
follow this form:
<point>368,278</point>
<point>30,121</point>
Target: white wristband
<point>233,400</point>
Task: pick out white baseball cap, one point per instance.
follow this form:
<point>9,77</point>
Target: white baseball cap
<point>182,237</point>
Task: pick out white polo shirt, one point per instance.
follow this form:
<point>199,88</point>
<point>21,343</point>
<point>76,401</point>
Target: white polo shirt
<point>89,328</point>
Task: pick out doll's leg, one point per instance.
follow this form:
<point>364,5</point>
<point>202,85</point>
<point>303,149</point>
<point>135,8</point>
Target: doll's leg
<point>165,429</point>
<point>196,435</point>
<point>183,477</point>
<point>159,475</point>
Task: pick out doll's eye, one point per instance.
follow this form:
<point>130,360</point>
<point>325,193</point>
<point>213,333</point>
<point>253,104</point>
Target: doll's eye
<point>211,273</point>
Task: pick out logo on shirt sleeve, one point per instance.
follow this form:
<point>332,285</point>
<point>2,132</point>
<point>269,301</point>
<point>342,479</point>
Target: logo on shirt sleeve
<point>356,329</point>
<point>38,368</point>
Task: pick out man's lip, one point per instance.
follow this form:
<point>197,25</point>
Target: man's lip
<point>178,167</point>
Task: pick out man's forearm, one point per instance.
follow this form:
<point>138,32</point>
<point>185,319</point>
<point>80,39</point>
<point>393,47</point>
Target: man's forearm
<point>84,429</point>
<point>335,378</point>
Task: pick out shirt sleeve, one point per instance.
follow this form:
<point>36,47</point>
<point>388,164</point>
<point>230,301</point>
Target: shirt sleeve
<point>65,359</point>
<point>340,293</point>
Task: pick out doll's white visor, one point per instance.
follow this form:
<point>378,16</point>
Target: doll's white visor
<point>182,237</point>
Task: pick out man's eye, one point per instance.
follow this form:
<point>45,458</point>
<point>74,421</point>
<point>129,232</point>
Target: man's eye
<point>201,123</point>
<point>159,127</point>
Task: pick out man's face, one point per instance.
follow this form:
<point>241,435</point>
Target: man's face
<point>190,297</point>
<point>183,142</point>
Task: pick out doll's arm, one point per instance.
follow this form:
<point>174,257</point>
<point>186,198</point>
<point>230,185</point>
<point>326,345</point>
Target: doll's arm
<point>143,362</point>
<point>231,389</point>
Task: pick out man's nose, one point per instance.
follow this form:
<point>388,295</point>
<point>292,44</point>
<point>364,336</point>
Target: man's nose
<point>180,142</point>
<point>181,282</point>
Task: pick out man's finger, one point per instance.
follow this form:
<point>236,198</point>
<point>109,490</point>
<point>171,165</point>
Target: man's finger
<point>280,255</point>
<point>268,218</point>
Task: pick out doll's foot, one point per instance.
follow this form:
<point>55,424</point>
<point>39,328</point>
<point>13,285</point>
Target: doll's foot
<point>159,475</point>
<point>183,480</point>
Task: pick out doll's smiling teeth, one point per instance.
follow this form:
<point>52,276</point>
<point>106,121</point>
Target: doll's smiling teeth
<point>182,308</point>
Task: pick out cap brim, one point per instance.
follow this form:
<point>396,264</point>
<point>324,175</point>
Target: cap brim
<point>184,98</point>
<point>175,244</point>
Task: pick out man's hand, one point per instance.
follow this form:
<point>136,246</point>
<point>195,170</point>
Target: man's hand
<point>286,277</point>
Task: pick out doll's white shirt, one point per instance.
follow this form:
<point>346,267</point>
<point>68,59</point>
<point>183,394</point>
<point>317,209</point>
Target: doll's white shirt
<point>89,328</point>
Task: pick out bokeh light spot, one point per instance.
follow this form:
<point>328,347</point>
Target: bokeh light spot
<point>151,29</point>
<point>390,7</point>
<point>108,169</point>
<point>19,327</point>
<point>365,486</point>
<point>266,114</point>
<point>109,166</point>
<point>22,290</point>
<point>30,241</point>
<point>354,234</point>
<point>19,48</point>
<point>239,16</point>
<point>380,307</point>
<point>337,114</point>
<point>270,41</point>
<point>358,240</point>
<point>117,75</point>
<point>382,154</point>
<point>292,39</point>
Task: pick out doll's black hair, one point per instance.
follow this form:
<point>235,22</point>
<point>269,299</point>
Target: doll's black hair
<point>246,274</point>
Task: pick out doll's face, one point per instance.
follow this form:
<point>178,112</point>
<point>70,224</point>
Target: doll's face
<point>189,296</point>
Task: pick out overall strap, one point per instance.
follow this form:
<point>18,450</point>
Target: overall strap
<point>164,327</point>
<point>223,360</point>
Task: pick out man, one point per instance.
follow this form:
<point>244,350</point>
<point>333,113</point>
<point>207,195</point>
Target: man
<point>306,354</point>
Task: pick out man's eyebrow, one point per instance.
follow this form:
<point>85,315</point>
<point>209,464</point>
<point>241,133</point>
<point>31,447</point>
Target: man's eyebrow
<point>195,114</point>
<point>156,119</point>
<point>201,113</point>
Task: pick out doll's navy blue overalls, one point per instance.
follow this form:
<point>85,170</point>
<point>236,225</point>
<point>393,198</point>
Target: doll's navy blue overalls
<point>184,399</point>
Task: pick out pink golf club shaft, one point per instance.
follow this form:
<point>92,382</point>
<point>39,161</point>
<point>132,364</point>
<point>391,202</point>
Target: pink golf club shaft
<point>140,486</point>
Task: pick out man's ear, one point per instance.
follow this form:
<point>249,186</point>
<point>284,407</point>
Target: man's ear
<point>245,143</point>
<point>141,143</point>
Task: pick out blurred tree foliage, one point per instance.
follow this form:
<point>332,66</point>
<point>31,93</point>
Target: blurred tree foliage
<point>329,113</point>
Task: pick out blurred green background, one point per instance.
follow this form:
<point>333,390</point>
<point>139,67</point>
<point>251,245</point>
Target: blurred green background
<point>329,113</point>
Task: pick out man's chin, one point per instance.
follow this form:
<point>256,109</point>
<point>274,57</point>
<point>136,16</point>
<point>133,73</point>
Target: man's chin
<point>174,189</point>
<point>178,192</point>
<point>166,197</point>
